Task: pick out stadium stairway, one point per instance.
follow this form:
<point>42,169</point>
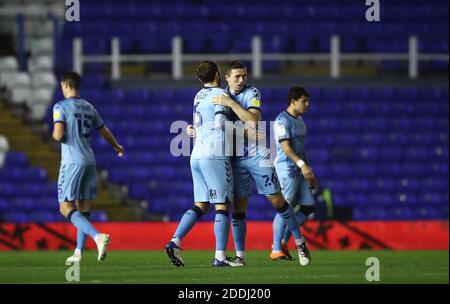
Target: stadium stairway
<point>40,153</point>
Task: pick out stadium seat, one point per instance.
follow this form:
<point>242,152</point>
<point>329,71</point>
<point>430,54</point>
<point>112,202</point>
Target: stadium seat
<point>382,150</point>
<point>384,140</point>
<point>9,64</point>
<point>42,63</point>
<point>43,79</point>
<point>4,148</point>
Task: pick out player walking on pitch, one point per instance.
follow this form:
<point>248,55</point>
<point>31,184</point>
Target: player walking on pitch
<point>74,118</point>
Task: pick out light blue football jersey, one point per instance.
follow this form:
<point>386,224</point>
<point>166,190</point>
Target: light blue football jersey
<point>209,122</point>
<point>249,98</point>
<point>79,118</point>
<point>288,127</point>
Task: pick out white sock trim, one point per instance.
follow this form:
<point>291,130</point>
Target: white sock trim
<point>240,254</point>
<point>176,240</point>
<point>221,255</point>
<point>299,241</point>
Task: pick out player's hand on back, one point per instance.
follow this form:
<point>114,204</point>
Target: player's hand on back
<point>223,100</point>
<point>120,151</point>
<point>190,131</point>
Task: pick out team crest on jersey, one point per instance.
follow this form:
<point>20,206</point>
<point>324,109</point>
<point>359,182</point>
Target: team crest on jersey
<point>212,194</point>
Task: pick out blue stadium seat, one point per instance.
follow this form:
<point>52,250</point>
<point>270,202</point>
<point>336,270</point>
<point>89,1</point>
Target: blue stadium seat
<point>15,217</point>
<point>16,159</point>
<point>4,205</point>
<point>379,151</point>
<point>349,130</point>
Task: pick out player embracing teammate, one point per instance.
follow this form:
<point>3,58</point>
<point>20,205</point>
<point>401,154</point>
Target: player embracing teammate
<point>239,102</point>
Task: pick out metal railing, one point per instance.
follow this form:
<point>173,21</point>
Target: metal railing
<point>177,57</point>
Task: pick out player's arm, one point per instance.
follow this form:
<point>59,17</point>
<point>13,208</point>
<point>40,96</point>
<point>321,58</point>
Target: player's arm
<point>58,131</point>
<point>222,122</point>
<point>109,138</point>
<point>243,114</point>
<point>304,167</point>
<point>59,123</point>
<point>220,116</point>
<point>283,135</point>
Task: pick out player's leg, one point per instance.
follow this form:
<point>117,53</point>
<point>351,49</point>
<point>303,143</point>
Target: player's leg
<point>78,182</point>
<point>304,203</point>
<point>289,182</point>
<point>287,214</point>
<point>301,214</point>
<point>287,234</point>
<point>242,190</point>
<point>88,191</point>
<point>187,222</point>
<point>221,232</point>
<point>220,188</point>
<point>84,207</point>
<point>239,228</point>
<point>69,211</point>
<point>277,252</point>
<point>65,190</point>
<point>263,172</point>
<point>201,197</point>
<point>289,186</point>
<point>191,216</point>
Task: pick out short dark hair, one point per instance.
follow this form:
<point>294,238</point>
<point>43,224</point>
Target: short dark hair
<point>72,79</point>
<point>207,70</point>
<point>295,93</point>
<point>235,64</point>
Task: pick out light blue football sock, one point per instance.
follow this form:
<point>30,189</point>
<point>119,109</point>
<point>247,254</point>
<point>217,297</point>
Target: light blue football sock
<point>188,221</point>
<point>239,230</point>
<point>82,224</point>
<point>81,236</point>
<point>221,230</point>
<point>289,220</point>
<point>278,228</point>
<point>300,216</point>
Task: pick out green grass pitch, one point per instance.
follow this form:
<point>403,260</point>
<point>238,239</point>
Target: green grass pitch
<point>154,267</point>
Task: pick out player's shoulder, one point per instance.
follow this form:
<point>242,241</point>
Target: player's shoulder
<point>198,93</point>
<point>251,90</point>
<point>279,117</point>
<point>251,97</point>
<point>202,93</point>
<point>217,90</point>
<point>60,104</point>
<point>87,103</point>
<point>283,117</point>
